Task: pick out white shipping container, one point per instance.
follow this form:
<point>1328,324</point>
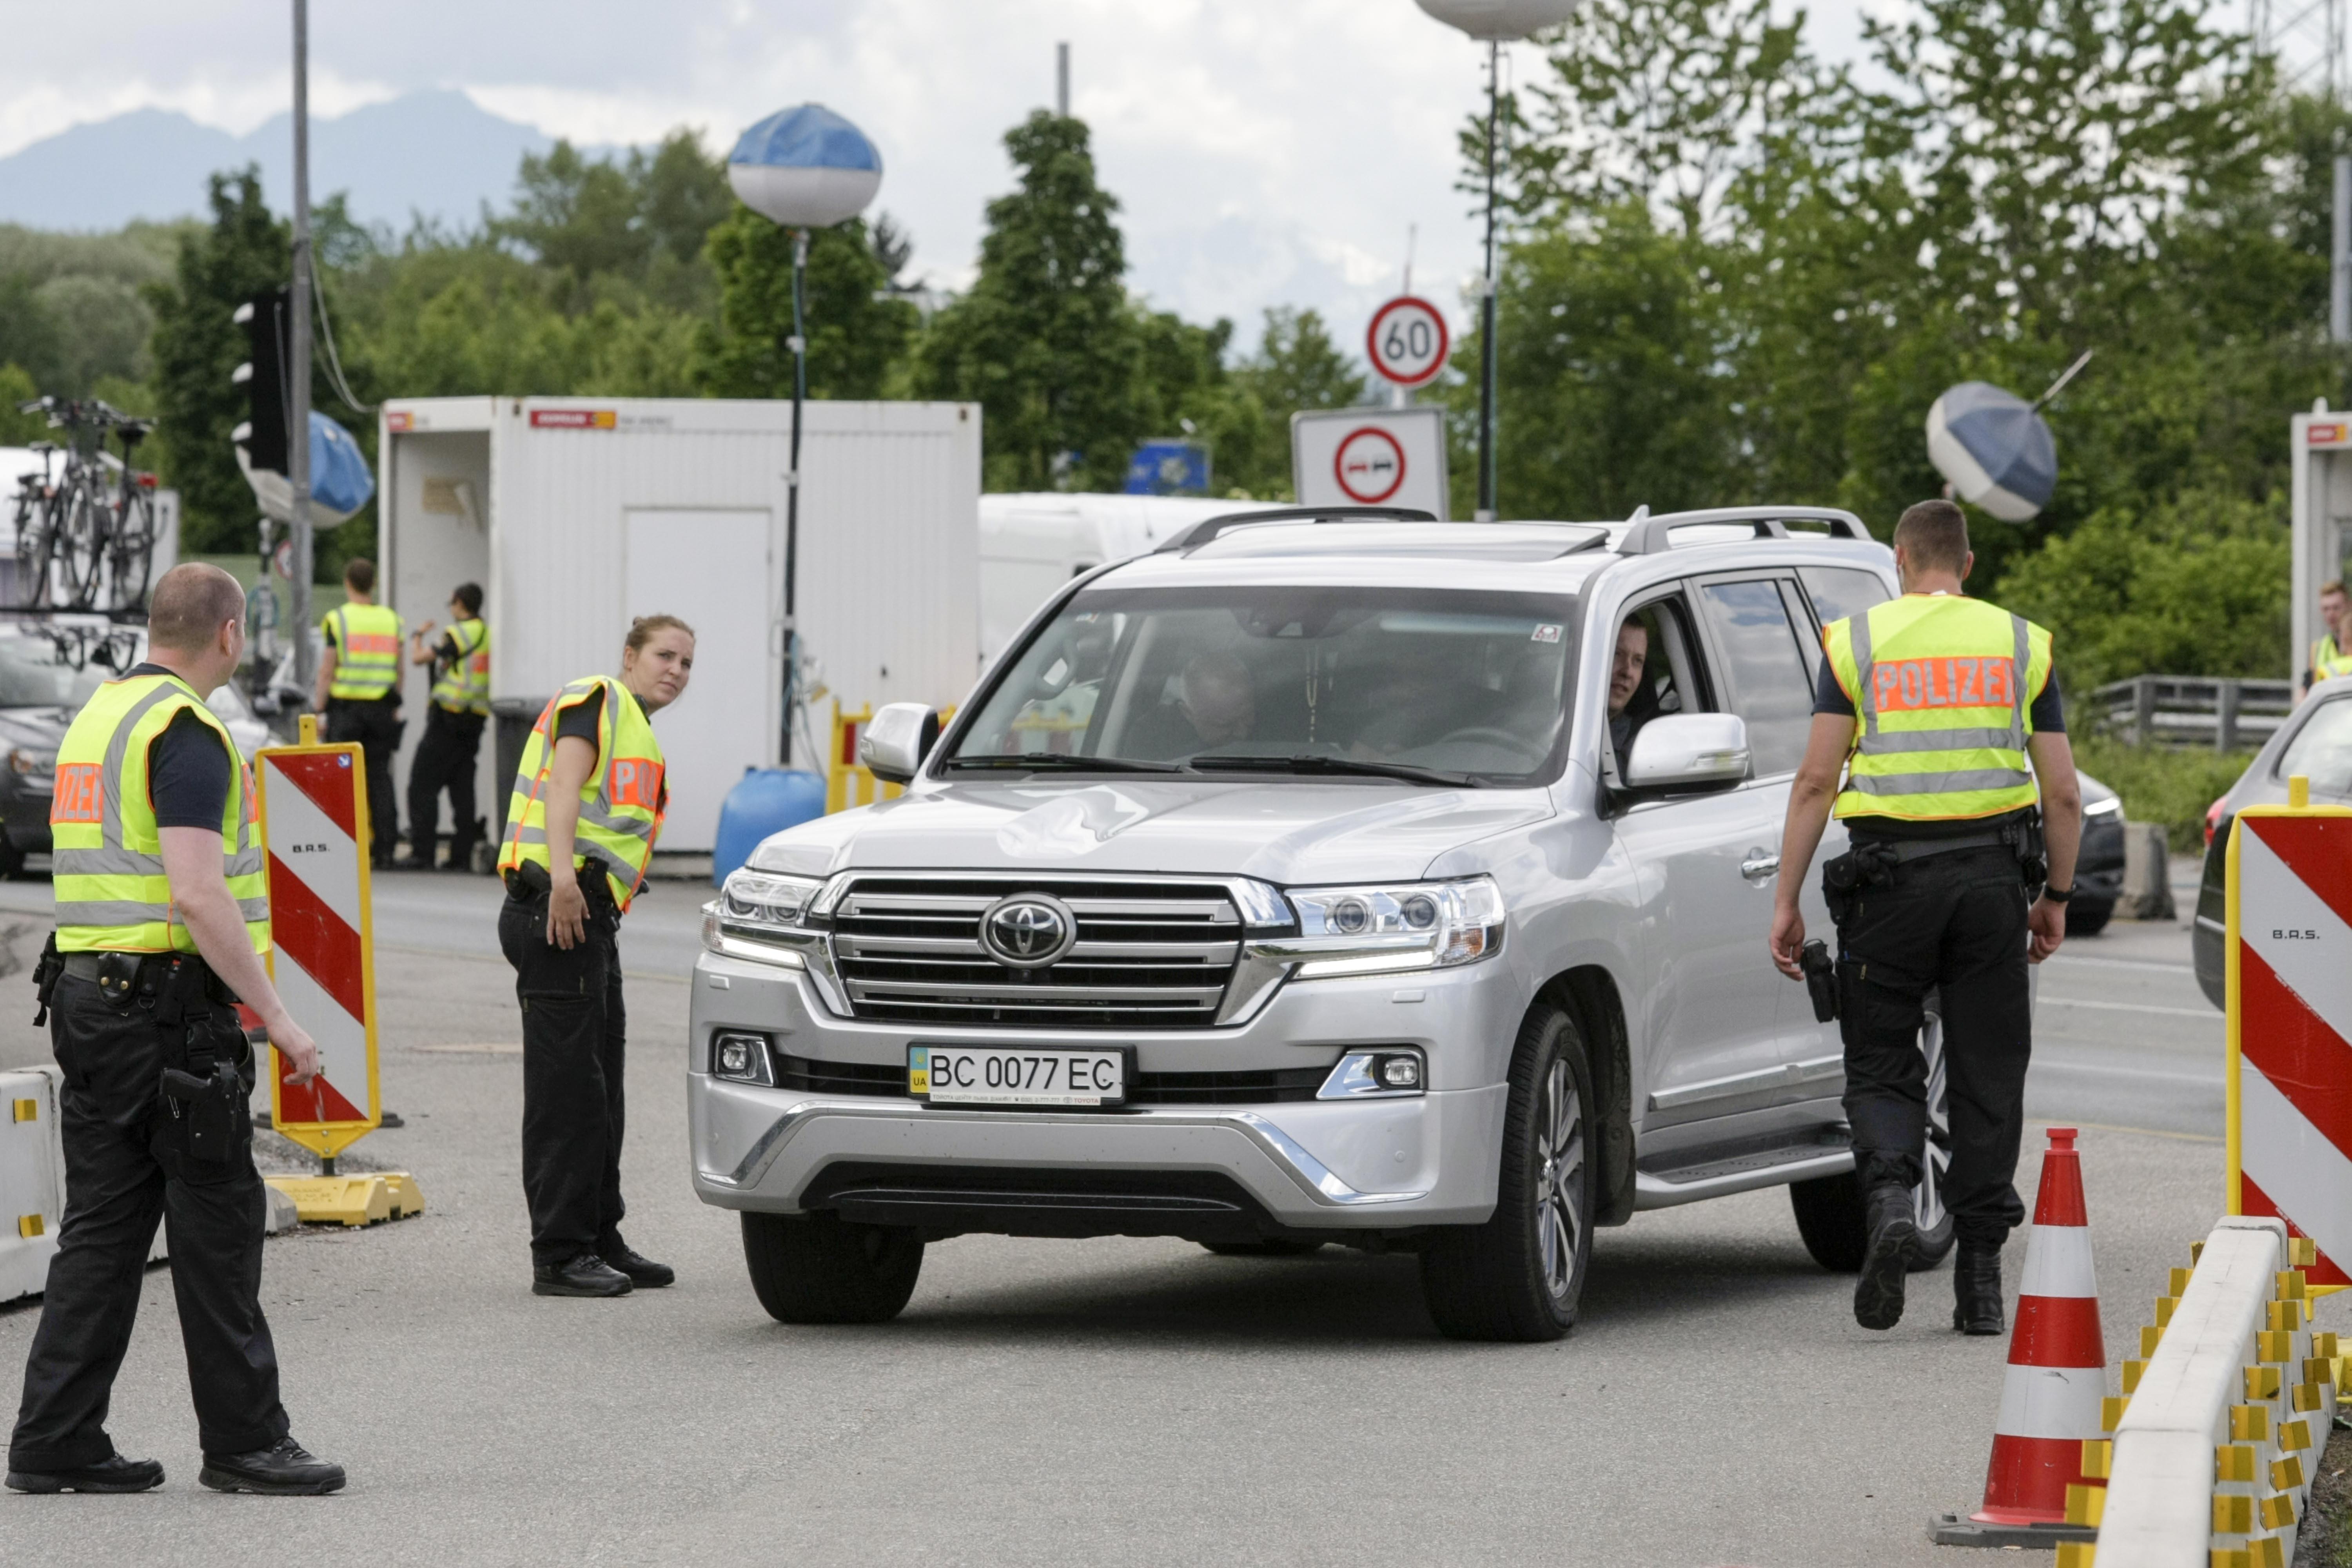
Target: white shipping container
<point>576,514</point>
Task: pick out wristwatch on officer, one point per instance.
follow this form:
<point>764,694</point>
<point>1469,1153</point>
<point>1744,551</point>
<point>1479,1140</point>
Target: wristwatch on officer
<point>2055,897</point>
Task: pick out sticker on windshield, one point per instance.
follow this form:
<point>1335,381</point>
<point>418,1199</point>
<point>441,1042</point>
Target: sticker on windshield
<point>1547,634</point>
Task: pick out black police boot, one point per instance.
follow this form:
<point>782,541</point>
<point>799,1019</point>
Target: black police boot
<point>587,1275</point>
<point>1894,1230</point>
<point>285,1469</point>
<point>643,1271</point>
<point>1976,1290</point>
<point>112,1474</point>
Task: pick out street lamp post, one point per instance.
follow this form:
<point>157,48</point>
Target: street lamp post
<point>802,168</point>
<point>1493,23</point>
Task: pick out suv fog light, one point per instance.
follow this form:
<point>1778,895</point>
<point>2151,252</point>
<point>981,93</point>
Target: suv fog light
<point>743,1057</point>
<point>1375,1075</point>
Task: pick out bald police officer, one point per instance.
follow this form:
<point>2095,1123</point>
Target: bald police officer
<point>1930,705</point>
<point>163,917</point>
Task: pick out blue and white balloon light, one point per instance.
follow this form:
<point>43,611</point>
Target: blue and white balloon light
<point>806,167</point>
<point>1995,448</point>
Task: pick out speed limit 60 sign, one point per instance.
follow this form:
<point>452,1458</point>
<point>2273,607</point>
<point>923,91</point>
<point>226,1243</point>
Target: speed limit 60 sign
<point>1408,343</point>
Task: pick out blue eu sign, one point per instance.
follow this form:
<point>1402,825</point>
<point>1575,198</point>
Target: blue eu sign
<point>1168,469</point>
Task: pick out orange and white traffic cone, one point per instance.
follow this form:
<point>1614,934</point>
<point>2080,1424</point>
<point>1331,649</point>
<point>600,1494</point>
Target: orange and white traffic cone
<point>2056,1378</point>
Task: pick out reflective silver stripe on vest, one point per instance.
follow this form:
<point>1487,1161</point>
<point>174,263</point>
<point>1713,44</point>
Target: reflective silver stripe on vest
<point>112,912</point>
<point>106,863</point>
<point>1862,701</point>
<point>118,747</point>
<point>1892,741</point>
<point>2024,657</point>
<point>253,909</point>
<point>1938,783</point>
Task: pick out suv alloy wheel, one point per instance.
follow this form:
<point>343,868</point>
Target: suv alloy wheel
<point>1518,1276</point>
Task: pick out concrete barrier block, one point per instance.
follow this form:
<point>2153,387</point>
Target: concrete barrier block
<point>32,1179</point>
<point>2147,874</point>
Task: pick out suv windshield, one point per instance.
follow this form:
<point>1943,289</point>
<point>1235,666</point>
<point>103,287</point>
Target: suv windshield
<point>2322,750</point>
<point>1471,686</point>
<point>33,675</point>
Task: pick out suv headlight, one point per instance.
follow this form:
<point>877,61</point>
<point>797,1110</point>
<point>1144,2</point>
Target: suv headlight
<point>1401,926</point>
<point>757,909</point>
<point>31,764</point>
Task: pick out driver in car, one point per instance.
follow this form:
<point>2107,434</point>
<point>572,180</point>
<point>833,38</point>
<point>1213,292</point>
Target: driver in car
<point>1625,680</point>
<point>1218,698</point>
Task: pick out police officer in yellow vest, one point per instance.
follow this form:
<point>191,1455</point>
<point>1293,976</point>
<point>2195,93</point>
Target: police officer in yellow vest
<point>587,811</point>
<point>1931,705</point>
<point>445,758</point>
<point>2329,659</point>
<point>161,916</point>
<point>359,691</point>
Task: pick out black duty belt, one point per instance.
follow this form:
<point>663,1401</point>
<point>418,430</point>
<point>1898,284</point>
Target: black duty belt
<point>1920,848</point>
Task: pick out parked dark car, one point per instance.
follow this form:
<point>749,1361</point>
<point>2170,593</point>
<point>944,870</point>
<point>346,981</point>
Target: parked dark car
<point>2099,865</point>
<point>2316,741</point>
<point>40,692</point>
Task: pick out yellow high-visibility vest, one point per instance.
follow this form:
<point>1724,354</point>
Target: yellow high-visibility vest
<point>465,686</point>
<point>2332,667</point>
<point>110,889</point>
<point>621,805</point>
<point>367,651</point>
<point>2324,651</point>
<point>1942,688</point>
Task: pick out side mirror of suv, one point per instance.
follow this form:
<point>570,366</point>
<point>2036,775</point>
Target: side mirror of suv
<point>899,737</point>
<point>1687,750</point>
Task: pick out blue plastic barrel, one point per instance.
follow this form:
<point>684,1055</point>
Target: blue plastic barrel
<point>765,801</point>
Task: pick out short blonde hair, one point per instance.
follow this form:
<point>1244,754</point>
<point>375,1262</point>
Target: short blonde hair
<point>190,603</point>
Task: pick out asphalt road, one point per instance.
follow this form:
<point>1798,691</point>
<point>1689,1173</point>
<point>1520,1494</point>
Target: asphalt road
<point>1112,1401</point>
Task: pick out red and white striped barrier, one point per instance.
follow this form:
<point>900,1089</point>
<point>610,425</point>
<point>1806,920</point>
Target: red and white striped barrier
<point>2290,995</point>
<point>314,824</point>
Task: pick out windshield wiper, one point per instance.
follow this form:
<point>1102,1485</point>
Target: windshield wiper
<point>1313,764</point>
<point>1039,762</point>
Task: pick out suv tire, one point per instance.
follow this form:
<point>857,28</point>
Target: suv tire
<point>819,1269</point>
<point>1830,1210</point>
<point>1518,1276</point>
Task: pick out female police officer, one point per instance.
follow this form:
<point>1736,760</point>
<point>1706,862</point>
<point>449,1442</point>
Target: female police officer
<point>587,806</point>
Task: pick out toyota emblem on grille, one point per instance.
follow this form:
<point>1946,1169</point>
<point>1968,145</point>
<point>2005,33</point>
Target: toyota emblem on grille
<point>1028,931</point>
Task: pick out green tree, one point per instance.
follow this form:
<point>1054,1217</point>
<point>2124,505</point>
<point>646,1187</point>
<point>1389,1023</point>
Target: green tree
<point>858,337</point>
<point>16,386</point>
<point>1046,341</point>
<point>195,347</point>
<point>639,224</point>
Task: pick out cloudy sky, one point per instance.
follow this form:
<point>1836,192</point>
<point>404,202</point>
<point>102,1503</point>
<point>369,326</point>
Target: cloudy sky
<point>1266,151</point>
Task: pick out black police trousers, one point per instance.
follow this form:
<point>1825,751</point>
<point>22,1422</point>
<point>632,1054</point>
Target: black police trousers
<point>127,1164</point>
<point>374,723</point>
<point>445,760</point>
<point>1953,924</point>
<point>574,1035</point>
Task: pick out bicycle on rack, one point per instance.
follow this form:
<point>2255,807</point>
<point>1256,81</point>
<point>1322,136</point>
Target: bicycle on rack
<point>93,530</point>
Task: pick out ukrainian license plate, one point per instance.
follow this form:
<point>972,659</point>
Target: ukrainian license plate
<point>989,1075</point>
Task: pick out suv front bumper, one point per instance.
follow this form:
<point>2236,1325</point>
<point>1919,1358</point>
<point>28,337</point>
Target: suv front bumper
<point>1357,1165</point>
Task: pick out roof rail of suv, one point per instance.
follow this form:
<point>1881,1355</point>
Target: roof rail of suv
<point>1201,532</point>
<point>1648,535</point>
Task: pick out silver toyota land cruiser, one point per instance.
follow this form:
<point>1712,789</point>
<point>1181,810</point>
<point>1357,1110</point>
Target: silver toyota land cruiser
<point>1323,876</point>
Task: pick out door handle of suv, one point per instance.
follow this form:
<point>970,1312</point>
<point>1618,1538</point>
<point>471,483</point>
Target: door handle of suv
<point>1758,865</point>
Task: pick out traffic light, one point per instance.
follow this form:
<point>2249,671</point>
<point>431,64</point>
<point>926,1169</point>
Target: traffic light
<point>263,375</point>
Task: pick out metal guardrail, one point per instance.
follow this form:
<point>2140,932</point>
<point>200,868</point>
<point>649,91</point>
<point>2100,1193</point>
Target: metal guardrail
<point>2223,712</point>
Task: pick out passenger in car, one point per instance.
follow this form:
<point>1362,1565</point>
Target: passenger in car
<point>1626,716</point>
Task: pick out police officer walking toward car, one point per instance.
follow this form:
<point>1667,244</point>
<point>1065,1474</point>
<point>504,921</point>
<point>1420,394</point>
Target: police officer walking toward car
<point>587,808</point>
<point>358,691</point>
<point>445,758</point>
<point>1931,704</point>
<point>162,915</point>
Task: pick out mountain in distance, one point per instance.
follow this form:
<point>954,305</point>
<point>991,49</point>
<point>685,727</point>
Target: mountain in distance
<point>434,153</point>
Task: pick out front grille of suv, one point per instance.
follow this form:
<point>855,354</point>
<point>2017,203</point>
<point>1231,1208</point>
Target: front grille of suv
<point>1151,954</point>
<point>1248,1085</point>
